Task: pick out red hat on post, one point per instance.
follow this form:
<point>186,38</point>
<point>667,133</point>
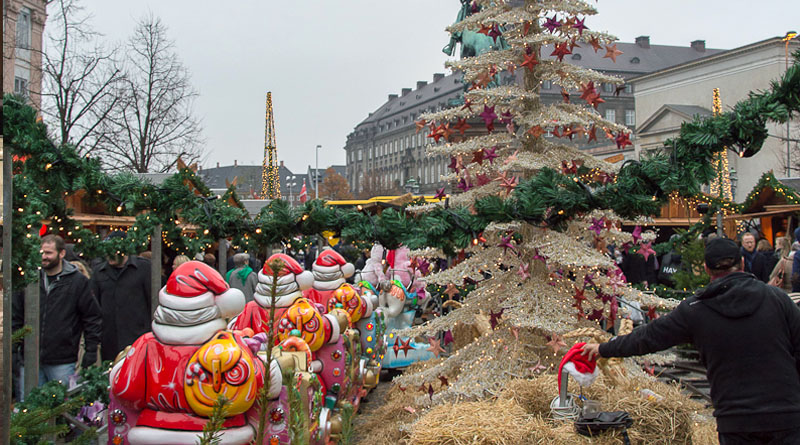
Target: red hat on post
<point>583,370</point>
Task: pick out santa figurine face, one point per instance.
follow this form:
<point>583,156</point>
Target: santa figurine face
<point>303,317</point>
<point>351,302</point>
<point>220,367</point>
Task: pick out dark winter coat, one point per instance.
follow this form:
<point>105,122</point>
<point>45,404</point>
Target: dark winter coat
<point>748,335</point>
<point>760,266</point>
<point>66,310</point>
<point>124,297</point>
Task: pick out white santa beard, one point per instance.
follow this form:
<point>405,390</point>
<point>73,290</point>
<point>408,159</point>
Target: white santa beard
<point>187,335</point>
<point>581,378</point>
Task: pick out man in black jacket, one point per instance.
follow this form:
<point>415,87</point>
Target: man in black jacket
<point>748,335</point>
<point>122,287</point>
<point>67,309</point>
<point>754,261</point>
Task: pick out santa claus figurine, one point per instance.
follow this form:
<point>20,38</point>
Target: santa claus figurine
<point>330,271</point>
<point>169,379</point>
<point>292,281</point>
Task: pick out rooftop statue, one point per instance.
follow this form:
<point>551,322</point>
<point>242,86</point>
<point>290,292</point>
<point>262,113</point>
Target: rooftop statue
<point>472,43</point>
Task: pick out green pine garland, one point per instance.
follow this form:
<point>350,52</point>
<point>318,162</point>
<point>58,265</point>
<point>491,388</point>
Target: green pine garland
<point>46,173</point>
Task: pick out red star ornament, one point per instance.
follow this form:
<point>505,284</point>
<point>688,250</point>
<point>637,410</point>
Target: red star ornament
<point>509,184</point>
<point>612,52</point>
<point>623,139</point>
<point>444,381</point>
<point>445,131</point>
<point>477,157</point>
<point>461,126</point>
<point>530,61</point>
<point>526,27</point>
<point>421,124</point>
<point>595,44</point>
<point>587,90</point>
<point>560,51</point>
<point>467,105</point>
<point>555,132</point>
<point>536,131</point>
<point>565,95</point>
<point>405,346</point>
<point>483,179</point>
<point>556,343</point>
<point>485,29</point>
<point>435,346</point>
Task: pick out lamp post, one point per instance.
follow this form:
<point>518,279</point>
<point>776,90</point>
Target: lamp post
<point>789,36</point>
<point>316,175</point>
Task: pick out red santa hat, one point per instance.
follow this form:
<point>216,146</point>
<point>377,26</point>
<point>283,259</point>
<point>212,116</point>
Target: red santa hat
<point>291,279</point>
<point>196,285</point>
<point>583,370</point>
<point>330,261</point>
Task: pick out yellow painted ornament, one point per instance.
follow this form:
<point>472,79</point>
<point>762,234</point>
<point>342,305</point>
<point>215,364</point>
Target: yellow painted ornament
<point>329,236</point>
<point>221,367</point>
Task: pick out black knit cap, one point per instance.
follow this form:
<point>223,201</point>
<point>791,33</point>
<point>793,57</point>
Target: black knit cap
<point>719,249</point>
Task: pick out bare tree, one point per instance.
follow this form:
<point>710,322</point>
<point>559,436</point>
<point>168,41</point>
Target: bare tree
<point>155,124</point>
<point>81,78</point>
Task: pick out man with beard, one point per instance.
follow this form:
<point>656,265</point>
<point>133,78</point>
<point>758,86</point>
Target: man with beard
<point>67,310</point>
<point>122,287</point>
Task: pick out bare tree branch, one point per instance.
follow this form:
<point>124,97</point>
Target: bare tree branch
<point>155,122</point>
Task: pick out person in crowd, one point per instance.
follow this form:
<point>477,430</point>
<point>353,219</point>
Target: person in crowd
<point>122,287</point>
<point>178,260</point>
<point>748,335</point>
<point>754,261</point>
<point>311,255</point>
<point>210,259</point>
<point>782,272</point>
<point>67,310</point>
<point>242,276</point>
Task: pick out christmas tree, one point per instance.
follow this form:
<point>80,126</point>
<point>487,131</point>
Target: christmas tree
<point>547,277</point>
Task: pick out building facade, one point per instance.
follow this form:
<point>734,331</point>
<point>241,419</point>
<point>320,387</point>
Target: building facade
<point>248,180</point>
<point>386,149</point>
<point>667,98</point>
<point>23,27</point>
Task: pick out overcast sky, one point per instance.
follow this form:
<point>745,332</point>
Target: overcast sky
<point>329,63</point>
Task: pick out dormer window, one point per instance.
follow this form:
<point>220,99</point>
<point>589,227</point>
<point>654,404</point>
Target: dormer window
<point>635,60</point>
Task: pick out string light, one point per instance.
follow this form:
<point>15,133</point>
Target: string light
<point>721,185</point>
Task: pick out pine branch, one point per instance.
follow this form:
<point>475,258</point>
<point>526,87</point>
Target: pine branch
<point>212,430</point>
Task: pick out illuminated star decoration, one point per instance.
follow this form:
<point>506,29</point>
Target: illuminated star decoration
<point>536,131</point>
<point>405,347</point>
<point>421,124</point>
<point>623,140</point>
<point>461,126</point>
<point>464,185</point>
<point>495,32</point>
<point>580,26</point>
<point>440,194</point>
<point>435,346</point>
<point>477,157</point>
<point>423,266</point>
<point>451,291</point>
<point>505,243</point>
<point>538,367</point>
<point>597,225</point>
<point>488,117</point>
<point>595,44</point>
<point>530,61</point>
<point>560,51</point>
<point>494,318</point>
<point>552,23</point>
<point>593,134</point>
<point>636,234</point>
<point>612,52</point>
<point>646,250</point>
<point>523,271</point>
<point>556,343</point>
<point>490,154</point>
<point>508,183</point>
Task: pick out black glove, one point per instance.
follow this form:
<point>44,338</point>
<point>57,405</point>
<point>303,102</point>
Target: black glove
<point>89,358</point>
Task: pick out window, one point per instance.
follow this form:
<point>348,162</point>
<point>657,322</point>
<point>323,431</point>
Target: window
<point>21,86</point>
<point>359,155</point>
<point>611,115</point>
<point>608,87</point>
<point>24,28</point>
<point>547,84</point>
<point>629,88</point>
<point>576,56</point>
<point>630,118</point>
<point>635,60</point>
